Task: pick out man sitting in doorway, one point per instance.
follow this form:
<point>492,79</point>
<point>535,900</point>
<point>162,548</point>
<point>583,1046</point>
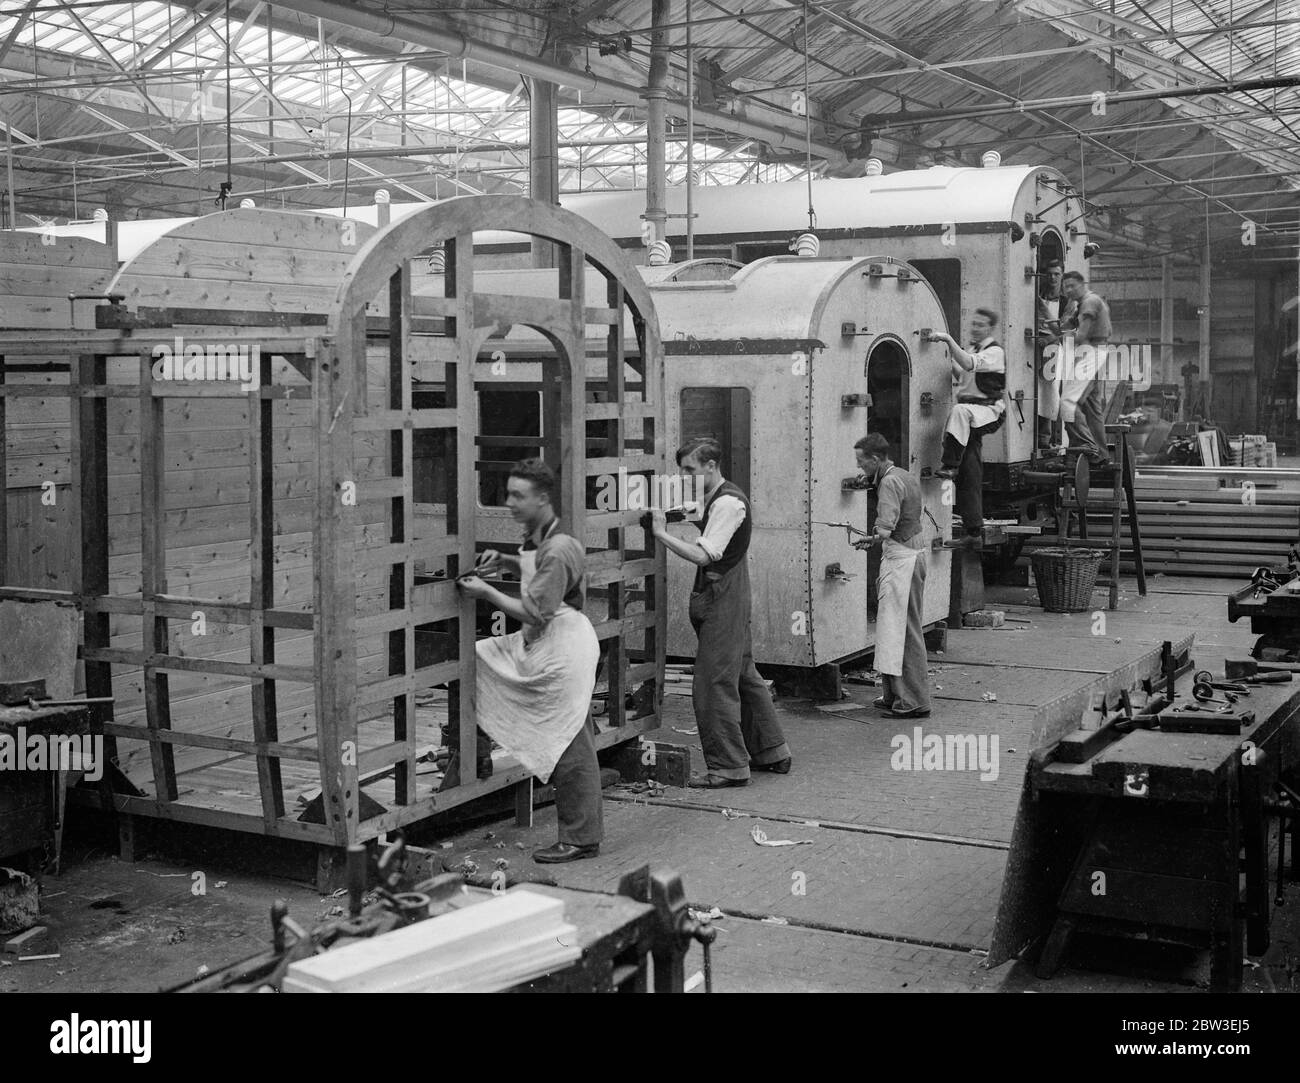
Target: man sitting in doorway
<point>979,376</point>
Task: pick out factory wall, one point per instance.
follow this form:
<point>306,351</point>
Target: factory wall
<point>1247,323</point>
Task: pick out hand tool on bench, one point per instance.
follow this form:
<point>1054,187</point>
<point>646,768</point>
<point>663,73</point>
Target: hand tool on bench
<point>1263,581</point>
<point>1203,692</point>
<point>1245,668</point>
<point>1081,745</point>
<point>41,704</point>
<point>17,693</point>
<point>1204,720</point>
<point>1204,676</point>
<point>1204,707</point>
<point>32,694</point>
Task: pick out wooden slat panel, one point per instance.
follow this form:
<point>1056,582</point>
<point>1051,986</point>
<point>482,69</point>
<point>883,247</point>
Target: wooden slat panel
<point>391,687</point>
<point>153,560</point>
<point>302,753</point>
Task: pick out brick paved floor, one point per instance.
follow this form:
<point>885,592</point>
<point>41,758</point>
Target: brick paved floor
<point>848,880</point>
<point>899,884</point>
<point>842,770</point>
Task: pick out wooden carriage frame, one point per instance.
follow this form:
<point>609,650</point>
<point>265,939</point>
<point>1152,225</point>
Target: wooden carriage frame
<point>623,574</point>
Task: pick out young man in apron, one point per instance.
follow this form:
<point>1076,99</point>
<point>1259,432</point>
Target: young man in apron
<point>738,726</point>
<point>534,686</point>
<point>900,587</point>
<point>979,377</point>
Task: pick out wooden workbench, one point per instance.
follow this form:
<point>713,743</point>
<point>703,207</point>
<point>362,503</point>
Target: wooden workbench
<point>615,934</point>
<point>32,803</point>
<point>1147,834</point>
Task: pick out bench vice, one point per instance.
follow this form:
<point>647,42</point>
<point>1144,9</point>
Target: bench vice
<point>617,934</point>
<point>1157,814</point>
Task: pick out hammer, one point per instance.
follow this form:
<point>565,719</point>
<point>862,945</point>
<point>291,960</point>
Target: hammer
<point>41,704</point>
<point>1249,671</point>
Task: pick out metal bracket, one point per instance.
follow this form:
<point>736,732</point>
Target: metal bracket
<point>834,571</point>
<point>858,399</point>
<point>903,274</point>
<point>73,298</point>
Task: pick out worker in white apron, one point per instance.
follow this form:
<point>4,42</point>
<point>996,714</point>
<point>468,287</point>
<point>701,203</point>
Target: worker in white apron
<point>1054,312</point>
<point>978,410</point>
<point>533,689</point>
<point>900,656</point>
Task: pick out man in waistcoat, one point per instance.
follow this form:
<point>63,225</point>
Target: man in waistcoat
<point>980,378</point>
<point>733,707</point>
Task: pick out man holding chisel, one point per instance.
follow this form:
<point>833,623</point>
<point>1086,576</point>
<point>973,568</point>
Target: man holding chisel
<point>900,589</point>
<point>739,730</point>
<point>534,686</point>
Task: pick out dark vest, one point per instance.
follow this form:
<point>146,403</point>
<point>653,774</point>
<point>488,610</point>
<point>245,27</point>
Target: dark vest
<point>991,384</point>
<point>739,544</point>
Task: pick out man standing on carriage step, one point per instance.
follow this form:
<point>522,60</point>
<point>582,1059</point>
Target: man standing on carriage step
<point>533,687</point>
<point>978,410</point>
<point>738,726</point>
<point>1082,405</point>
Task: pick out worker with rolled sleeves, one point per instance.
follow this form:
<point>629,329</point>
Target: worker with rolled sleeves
<point>739,730</point>
<point>1084,360</point>
<point>900,586</point>
<point>533,688</point>
<point>1054,313</point>
<point>978,410</point>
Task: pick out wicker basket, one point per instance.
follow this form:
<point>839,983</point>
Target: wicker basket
<point>1065,577</point>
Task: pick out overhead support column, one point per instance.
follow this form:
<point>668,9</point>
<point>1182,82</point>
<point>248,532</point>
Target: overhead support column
<point>1203,357</point>
<point>656,132</point>
<point>544,156</point>
<point>1167,373</point>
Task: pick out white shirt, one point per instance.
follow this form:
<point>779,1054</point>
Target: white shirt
<point>987,359</point>
<point>726,514</point>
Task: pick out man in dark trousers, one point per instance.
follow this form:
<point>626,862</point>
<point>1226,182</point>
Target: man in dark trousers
<point>534,686</point>
<point>1055,311</point>
<point>1081,392</point>
<point>733,707</point>
<point>900,657</point>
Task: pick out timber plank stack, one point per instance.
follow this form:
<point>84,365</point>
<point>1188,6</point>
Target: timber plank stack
<point>1197,526</point>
